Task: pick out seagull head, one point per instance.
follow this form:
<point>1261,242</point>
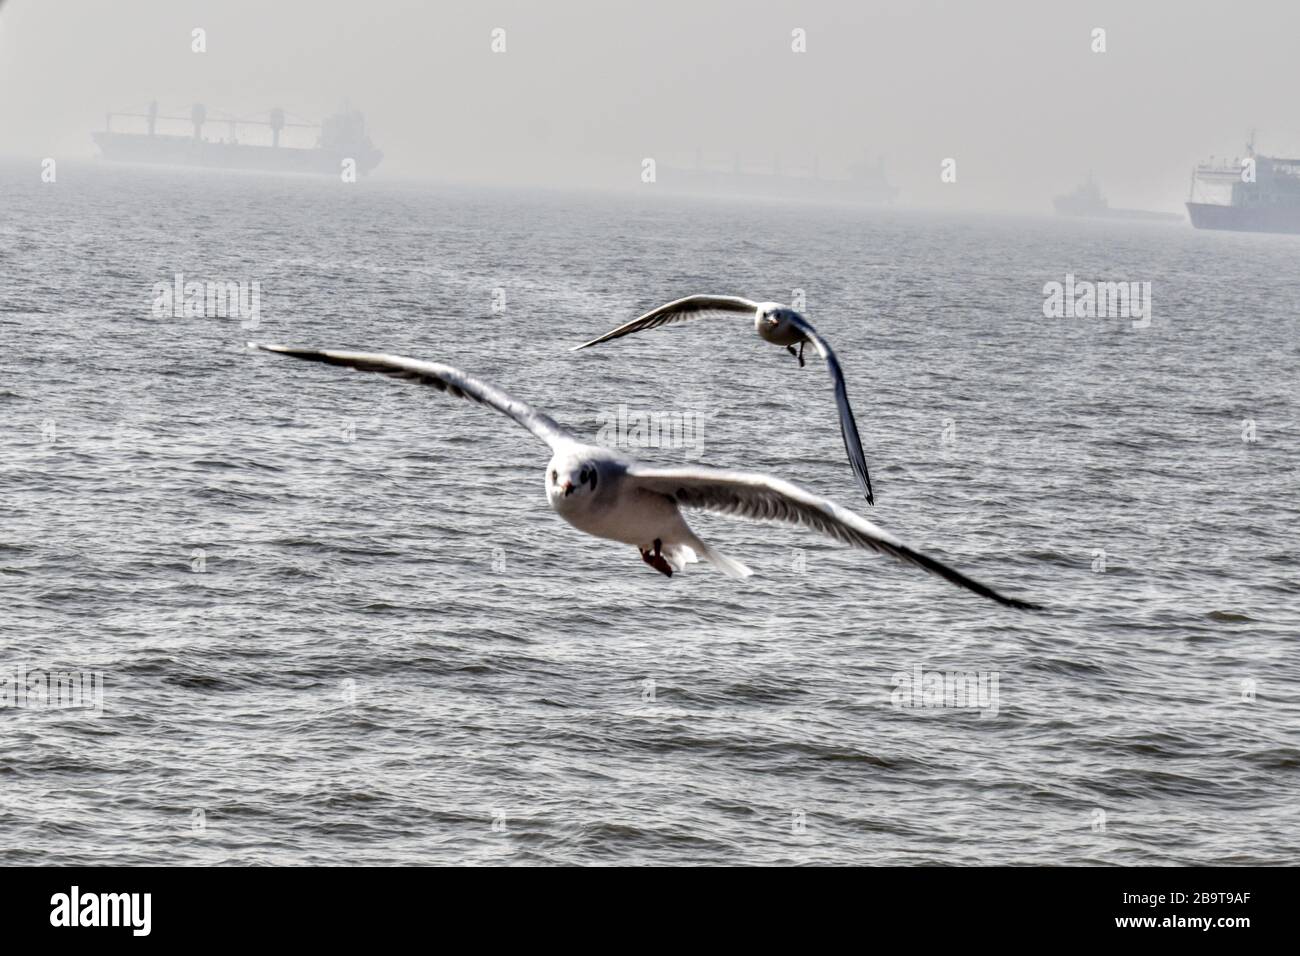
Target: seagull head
<point>571,478</point>
<point>768,315</point>
<point>778,324</point>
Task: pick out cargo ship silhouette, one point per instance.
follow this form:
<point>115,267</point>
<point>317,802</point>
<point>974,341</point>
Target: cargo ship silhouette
<point>342,137</point>
<point>865,183</point>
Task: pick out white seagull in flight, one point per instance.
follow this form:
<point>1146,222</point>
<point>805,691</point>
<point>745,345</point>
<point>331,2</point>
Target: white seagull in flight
<point>610,496</point>
<point>777,324</point>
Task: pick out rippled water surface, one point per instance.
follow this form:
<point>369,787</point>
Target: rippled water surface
<point>337,623</point>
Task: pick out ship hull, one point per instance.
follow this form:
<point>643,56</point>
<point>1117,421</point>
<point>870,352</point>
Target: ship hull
<point>1245,218</point>
<point>186,151</point>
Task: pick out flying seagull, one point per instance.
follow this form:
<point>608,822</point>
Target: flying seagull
<point>610,496</point>
<point>777,324</point>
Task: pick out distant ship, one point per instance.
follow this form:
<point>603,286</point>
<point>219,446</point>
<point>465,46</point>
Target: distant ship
<point>1087,200</point>
<point>865,183</point>
<point>1254,194</point>
<point>342,137</point>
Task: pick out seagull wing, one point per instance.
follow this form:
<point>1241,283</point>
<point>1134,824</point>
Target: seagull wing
<point>442,377</point>
<point>764,498</point>
<point>848,427</point>
<point>691,307</point>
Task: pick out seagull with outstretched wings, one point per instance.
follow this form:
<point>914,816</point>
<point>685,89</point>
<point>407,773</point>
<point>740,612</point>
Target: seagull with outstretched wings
<point>605,494</point>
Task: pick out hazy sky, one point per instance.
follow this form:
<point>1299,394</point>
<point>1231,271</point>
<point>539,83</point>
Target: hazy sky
<point>1009,88</point>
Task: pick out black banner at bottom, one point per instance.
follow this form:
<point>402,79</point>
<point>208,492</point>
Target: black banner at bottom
<point>133,906</point>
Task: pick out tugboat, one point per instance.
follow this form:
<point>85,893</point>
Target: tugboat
<point>1087,200</point>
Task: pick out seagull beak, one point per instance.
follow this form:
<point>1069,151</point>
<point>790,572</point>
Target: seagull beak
<point>568,488</point>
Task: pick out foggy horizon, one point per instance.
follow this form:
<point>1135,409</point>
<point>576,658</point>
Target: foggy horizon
<point>582,93</point>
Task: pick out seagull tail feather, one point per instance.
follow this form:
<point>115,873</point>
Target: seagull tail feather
<point>728,566</point>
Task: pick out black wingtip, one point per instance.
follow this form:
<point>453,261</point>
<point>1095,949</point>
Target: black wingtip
<point>864,482</point>
<point>1020,605</point>
<point>961,580</point>
<point>315,355</point>
<point>1014,603</point>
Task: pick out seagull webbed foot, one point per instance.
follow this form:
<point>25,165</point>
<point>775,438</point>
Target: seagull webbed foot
<point>657,560</point>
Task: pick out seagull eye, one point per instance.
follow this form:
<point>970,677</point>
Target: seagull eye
<point>555,477</point>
